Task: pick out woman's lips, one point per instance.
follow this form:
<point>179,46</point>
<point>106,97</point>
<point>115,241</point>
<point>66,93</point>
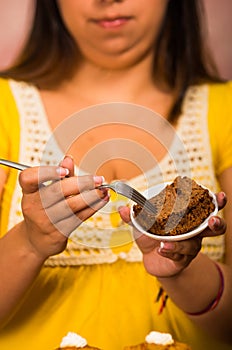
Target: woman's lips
<point>111,23</point>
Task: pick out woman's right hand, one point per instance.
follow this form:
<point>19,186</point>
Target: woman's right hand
<point>53,210</point>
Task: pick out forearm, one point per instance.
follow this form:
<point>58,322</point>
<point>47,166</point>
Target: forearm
<point>195,288</point>
<point>19,266</point>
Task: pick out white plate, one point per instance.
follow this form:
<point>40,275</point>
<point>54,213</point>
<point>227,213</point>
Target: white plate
<point>151,192</point>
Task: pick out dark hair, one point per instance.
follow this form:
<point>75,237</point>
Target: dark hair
<point>50,54</point>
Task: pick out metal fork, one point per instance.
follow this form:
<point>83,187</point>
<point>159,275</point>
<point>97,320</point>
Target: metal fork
<point>14,165</point>
<point>129,192</point>
<point>117,186</point>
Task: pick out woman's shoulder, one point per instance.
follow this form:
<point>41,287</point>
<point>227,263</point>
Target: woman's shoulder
<point>4,85</point>
<point>221,90</point>
<point>226,84</point>
<point>6,91</point>
<point>220,99</point>
<point>220,123</point>
<point>8,108</point>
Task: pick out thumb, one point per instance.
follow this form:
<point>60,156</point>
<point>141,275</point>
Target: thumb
<point>125,214</point>
<point>68,163</point>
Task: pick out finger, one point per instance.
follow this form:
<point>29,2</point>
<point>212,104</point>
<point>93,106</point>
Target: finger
<point>216,226</point>
<point>145,243</point>
<point>32,178</point>
<point>174,256</point>
<point>68,163</point>
<point>189,247</point>
<point>125,214</point>
<point>180,260</point>
<point>89,211</point>
<point>72,186</point>
<point>221,199</point>
<point>75,204</point>
<point>67,225</point>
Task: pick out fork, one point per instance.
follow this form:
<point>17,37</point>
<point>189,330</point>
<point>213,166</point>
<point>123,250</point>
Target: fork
<point>14,165</point>
<point>131,193</point>
<point>117,186</point>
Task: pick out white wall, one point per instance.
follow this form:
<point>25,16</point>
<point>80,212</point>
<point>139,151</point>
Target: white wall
<point>219,14</point>
<point>15,16</point>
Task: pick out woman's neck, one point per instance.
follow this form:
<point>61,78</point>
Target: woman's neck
<point>91,85</point>
<point>94,84</point>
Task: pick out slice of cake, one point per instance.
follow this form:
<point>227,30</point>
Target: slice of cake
<point>73,341</point>
<point>181,207</point>
<point>159,341</point>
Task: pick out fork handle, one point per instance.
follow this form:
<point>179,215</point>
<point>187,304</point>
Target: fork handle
<point>106,186</point>
<point>14,165</point>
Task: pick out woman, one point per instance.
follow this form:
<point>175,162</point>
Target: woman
<point>137,60</point>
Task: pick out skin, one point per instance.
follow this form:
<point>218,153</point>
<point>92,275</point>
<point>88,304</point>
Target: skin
<point>26,246</point>
<point>115,43</point>
<point>107,30</point>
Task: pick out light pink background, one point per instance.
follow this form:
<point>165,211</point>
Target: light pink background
<point>15,17</point>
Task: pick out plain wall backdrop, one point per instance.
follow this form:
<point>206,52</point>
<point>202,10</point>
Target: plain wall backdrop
<point>15,17</point>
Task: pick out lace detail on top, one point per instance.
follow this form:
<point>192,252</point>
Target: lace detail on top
<point>104,238</point>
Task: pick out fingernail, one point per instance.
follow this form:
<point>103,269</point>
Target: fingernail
<point>223,194</point>
<point>65,157</point>
<point>62,171</point>
<point>98,180</point>
<point>167,246</point>
<point>215,222</point>
<point>68,156</point>
<point>104,191</point>
<point>106,198</point>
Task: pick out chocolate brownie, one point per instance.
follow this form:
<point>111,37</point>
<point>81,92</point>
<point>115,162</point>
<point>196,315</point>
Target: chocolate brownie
<point>181,206</point>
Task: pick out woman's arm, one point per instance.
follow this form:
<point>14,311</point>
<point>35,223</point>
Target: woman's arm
<point>190,278</point>
<point>44,231</point>
<point>199,284</point>
<point>196,287</point>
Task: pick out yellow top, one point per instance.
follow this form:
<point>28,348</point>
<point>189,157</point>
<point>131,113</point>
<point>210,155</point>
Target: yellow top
<point>103,292</point>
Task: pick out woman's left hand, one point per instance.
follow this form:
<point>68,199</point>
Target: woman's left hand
<point>166,259</point>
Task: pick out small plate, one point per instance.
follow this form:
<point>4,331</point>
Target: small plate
<point>153,191</point>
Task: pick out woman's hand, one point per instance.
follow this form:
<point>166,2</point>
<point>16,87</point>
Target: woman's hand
<point>166,259</point>
<point>54,205</point>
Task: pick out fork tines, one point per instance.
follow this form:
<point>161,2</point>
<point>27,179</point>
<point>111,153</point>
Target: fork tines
<point>143,201</point>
